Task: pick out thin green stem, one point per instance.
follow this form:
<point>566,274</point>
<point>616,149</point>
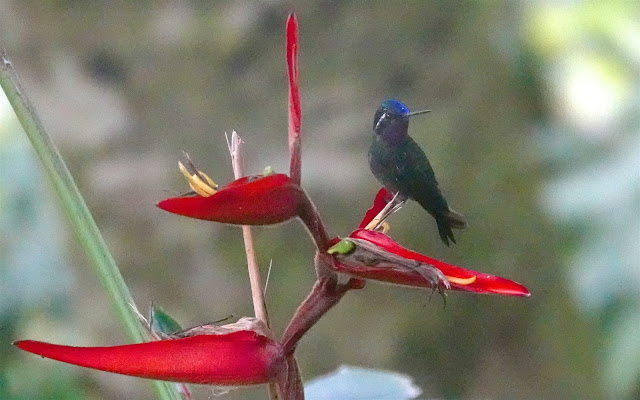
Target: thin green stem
<point>76,209</point>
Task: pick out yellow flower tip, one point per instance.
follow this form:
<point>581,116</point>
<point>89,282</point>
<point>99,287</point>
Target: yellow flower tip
<point>461,281</point>
<point>184,171</point>
<point>268,170</point>
<point>385,227</point>
<point>204,188</point>
<point>371,225</point>
<point>209,181</point>
<point>377,225</point>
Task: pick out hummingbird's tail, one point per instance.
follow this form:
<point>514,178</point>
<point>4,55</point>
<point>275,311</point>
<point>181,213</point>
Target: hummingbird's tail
<point>449,221</point>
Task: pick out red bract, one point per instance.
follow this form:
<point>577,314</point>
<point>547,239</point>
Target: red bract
<point>459,278</point>
<point>243,357</point>
<point>260,200</point>
<point>295,114</point>
<point>383,197</point>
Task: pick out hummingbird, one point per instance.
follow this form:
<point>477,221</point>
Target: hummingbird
<point>402,167</point>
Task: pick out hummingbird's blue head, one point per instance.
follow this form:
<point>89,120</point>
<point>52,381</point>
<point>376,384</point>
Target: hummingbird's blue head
<point>394,106</point>
<point>391,121</point>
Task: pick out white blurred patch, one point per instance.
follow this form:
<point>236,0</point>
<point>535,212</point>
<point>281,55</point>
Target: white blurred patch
<point>356,383</point>
<point>75,109</point>
<point>591,93</point>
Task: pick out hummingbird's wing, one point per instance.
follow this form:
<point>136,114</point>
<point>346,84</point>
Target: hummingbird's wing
<point>415,179</point>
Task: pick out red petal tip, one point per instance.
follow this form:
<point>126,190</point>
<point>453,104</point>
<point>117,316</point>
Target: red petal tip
<point>233,359</point>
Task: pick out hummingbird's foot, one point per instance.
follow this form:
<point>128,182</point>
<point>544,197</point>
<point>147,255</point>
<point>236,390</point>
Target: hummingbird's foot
<point>397,203</point>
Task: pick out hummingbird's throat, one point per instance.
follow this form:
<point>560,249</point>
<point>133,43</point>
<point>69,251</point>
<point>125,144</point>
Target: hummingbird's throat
<point>392,131</point>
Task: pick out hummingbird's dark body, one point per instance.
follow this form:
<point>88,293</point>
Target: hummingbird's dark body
<point>401,166</point>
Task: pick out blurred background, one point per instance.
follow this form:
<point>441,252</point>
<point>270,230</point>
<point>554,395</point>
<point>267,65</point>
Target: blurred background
<point>534,136</point>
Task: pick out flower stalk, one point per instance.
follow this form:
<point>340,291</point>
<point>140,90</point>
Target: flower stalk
<point>257,295</point>
<point>325,294</point>
<point>255,280</point>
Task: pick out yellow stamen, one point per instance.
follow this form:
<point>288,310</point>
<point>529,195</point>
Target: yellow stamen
<point>461,281</point>
<point>375,222</point>
<point>210,181</point>
<point>378,222</point>
<point>371,224</point>
<point>385,227</point>
<point>204,189</point>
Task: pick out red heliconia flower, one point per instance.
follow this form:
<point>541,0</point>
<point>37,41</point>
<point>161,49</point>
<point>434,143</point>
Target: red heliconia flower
<point>410,274</point>
<point>258,200</point>
<point>370,254</point>
<point>237,354</point>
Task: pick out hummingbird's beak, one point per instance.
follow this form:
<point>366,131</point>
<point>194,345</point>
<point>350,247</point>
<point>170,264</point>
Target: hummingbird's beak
<point>418,113</point>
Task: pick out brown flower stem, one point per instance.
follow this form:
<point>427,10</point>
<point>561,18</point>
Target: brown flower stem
<point>325,294</point>
<point>289,383</point>
<point>259,305</point>
<point>312,221</point>
<point>257,295</point>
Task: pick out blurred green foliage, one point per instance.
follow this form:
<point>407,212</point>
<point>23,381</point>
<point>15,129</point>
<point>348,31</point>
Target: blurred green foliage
<point>533,136</point>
